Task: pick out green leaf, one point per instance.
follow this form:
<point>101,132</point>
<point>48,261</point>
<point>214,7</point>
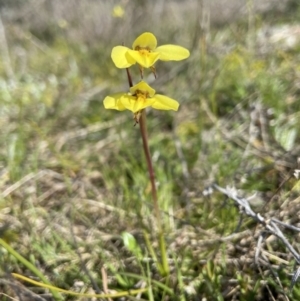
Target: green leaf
<point>131,244</point>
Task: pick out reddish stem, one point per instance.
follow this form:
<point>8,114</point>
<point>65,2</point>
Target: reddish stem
<point>143,129</point>
<point>129,77</point>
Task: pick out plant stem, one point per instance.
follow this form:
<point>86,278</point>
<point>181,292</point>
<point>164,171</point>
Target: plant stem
<point>129,78</point>
<point>164,265</point>
<point>143,128</point>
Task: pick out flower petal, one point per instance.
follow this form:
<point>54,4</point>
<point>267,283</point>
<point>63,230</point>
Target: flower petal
<point>163,102</point>
<point>144,58</point>
<point>133,104</point>
<point>114,101</point>
<point>145,40</point>
<point>142,86</point>
<point>172,53</point>
<point>120,57</point>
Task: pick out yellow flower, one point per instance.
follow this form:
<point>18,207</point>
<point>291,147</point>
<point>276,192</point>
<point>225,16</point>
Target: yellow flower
<point>118,11</point>
<point>145,52</point>
<point>141,96</point>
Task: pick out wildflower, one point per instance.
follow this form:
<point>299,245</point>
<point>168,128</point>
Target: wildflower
<point>140,97</point>
<point>118,11</point>
<point>145,52</point>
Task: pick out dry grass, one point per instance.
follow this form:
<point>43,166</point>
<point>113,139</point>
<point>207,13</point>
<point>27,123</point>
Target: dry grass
<point>73,176</point>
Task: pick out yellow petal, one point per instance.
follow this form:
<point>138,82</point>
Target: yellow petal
<point>144,58</point>
<point>133,104</point>
<point>114,101</point>
<point>120,57</point>
<point>145,40</point>
<point>172,53</point>
<point>164,103</point>
<point>142,86</point>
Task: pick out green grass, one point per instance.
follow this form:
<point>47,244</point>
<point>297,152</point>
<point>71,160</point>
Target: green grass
<point>74,178</point>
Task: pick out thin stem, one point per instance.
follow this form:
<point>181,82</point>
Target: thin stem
<point>143,128</point>
<point>129,77</point>
<point>164,265</point>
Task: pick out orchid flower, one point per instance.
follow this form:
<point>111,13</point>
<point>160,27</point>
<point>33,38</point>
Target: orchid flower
<point>146,53</point>
<point>140,97</point>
